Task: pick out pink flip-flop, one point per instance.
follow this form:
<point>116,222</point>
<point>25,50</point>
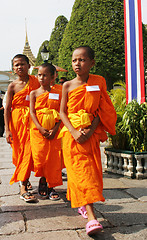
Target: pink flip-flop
<point>83,212</point>
<point>93,227</point>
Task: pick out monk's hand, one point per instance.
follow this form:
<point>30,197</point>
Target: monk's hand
<point>9,137</point>
<point>87,132</point>
<point>52,133</point>
<point>78,136</point>
<point>44,132</point>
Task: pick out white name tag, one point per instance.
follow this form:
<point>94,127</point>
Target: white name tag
<point>54,96</point>
<point>28,98</point>
<point>92,88</point>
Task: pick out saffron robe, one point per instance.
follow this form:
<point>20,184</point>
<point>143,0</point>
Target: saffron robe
<point>19,126</point>
<point>83,161</point>
<point>59,87</point>
<point>47,153</point>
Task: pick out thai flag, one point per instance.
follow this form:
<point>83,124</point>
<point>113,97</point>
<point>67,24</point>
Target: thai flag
<point>134,63</point>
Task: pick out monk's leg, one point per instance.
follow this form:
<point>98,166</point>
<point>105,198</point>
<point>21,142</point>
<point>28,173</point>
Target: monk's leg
<point>90,212</point>
<point>93,226</point>
<point>23,190</point>
<point>29,185</point>
<point>42,188</point>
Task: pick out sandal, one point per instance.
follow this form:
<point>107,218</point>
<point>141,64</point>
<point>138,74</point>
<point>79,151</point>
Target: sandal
<point>83,212</point>
<point>29,186</point>
<point>42,188</point>
<point>93,227</point>
<point>52,193</point>
<point>28,194</point>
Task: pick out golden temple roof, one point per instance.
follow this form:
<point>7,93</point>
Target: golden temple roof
<point>27,51</point>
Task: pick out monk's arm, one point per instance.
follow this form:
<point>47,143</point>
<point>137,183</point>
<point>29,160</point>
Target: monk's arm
<point>63,109</point>
<point>90,130</point>
<point>78,136</point>
<point>42,130</point>
<point>54,130</point>
<point>32,109</point>
<point>7,112</point>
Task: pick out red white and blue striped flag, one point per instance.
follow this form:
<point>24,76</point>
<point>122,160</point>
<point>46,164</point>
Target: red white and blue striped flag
<point>134,63</point>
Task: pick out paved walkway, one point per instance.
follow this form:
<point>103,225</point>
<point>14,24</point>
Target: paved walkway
<point>123,215</point>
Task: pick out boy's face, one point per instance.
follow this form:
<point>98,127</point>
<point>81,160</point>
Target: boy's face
<point>20,66</point>
<point>44,76</point>
<point>81,63</point>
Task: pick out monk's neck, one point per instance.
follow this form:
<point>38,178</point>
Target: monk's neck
<point>23,78</point>
<point>83,78</point>
<point>46,88</point>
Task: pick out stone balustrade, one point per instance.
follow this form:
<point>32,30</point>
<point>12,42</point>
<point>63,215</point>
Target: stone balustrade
<point>127,163</point>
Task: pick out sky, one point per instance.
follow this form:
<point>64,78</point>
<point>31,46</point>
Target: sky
<point>40,20</point>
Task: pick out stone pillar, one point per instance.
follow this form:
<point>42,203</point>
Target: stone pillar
<point>115,162</point>
<point>110,161</point>
<point>125,166</point>
<point>120,164</point>
<point>139,167</point>
<point>145,166</point>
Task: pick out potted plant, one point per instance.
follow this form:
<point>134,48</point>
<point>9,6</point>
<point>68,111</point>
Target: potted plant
<point>127,154</point>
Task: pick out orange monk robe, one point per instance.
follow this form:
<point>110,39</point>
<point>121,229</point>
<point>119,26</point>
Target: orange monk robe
<point>59,87</point>
<point>83,161</point>
<point>47,153</point>
<point>19,126</point>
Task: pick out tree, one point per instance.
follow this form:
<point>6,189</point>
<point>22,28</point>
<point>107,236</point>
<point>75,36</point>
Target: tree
<point>39,60</point>
<point>99,24</point>
<point>56,37</point>
<point>144,30</point>
<point>54,43</point>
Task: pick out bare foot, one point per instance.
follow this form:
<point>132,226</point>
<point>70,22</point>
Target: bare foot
<point>25,195</point>
<point>53,195</point>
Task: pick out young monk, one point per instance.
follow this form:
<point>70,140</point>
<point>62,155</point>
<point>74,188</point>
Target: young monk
<point>46,148</point>
<point>59,87</point>
<point>17,123</point>
<point>87,112</point>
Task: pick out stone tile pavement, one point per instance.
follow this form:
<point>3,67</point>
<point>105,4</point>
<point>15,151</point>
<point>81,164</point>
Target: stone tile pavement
<point>123,215</point>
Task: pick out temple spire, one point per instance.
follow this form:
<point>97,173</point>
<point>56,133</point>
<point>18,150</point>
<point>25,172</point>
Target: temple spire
<point>26,30</point>
<point>27,50</point>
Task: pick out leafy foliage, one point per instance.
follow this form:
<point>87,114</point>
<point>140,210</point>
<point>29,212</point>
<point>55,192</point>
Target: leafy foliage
<point>99,24</point>
<point>56,37</point>
<point>144,30</point>
<point>39,60</point>
<point>143,125</point>
<point>131,126</point>
<point>135,125</point>
<point>118,98</point>
<point>54,43</point>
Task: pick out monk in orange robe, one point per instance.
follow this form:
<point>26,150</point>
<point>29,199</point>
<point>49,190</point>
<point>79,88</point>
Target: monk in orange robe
<point>17,122</point>
<point>44,128</point>
<point>87,113</point>
<point>59,87</point>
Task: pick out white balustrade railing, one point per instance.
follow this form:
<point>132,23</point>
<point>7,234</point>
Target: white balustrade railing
<point>133,165</point>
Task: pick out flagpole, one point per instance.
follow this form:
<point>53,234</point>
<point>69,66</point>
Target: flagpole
<point>134,62</point>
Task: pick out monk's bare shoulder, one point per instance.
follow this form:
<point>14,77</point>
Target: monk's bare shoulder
<point>17,85</point>
<point>69,85</point>
<point>11,87</point>
<point>35,93</point>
